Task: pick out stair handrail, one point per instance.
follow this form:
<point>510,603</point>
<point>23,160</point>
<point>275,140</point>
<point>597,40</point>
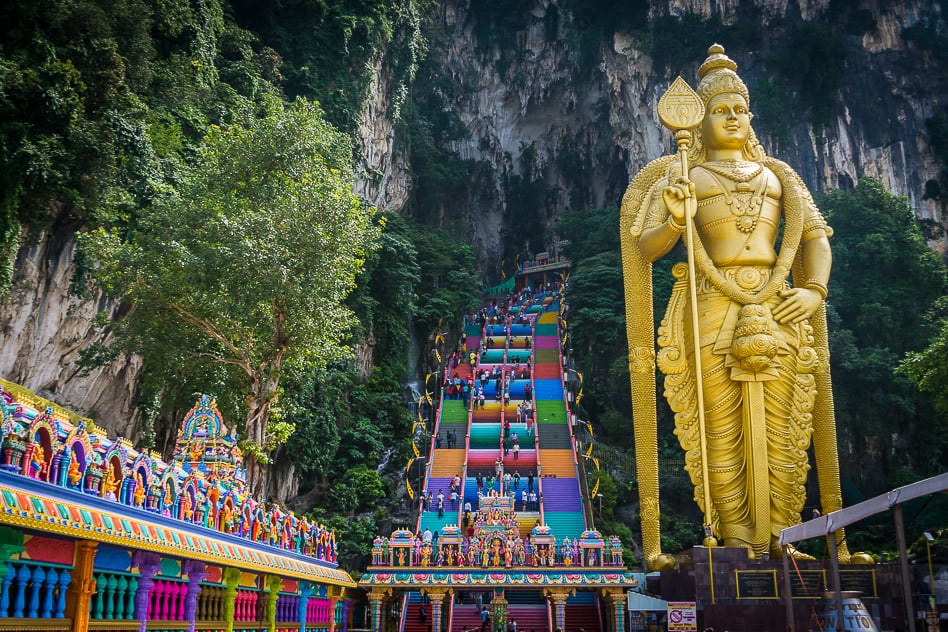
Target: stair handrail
<point>580,472</point>
<point>404,619</point>
<point>533,413</point>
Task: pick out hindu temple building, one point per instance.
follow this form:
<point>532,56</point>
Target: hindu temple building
<point>97,535</point>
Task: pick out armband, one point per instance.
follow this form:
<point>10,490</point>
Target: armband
<point>818,287</point>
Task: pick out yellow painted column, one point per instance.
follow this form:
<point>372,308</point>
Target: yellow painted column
<point>558,597</point>
<point>271,585</point>
<point>82,587</point>
<point>615,598</point>
<point>377,598</point>
<point>436,595</point>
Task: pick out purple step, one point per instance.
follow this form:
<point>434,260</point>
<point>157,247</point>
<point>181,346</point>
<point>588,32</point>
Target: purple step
<point>561,494</point>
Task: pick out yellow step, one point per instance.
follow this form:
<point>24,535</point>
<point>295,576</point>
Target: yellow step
<point>447,462</point>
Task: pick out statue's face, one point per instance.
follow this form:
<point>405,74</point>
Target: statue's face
<point>726,122</point>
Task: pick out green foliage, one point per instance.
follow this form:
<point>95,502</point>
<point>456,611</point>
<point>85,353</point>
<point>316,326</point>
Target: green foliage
<point>101,101</point>
<point>885,280</point>
<point>246,265</point>
<point>597,316</point>
<point>449,284</point>
<point>679,533</point>
<point>353,536</point>
<point>928,368</point>
<point>329,48</point>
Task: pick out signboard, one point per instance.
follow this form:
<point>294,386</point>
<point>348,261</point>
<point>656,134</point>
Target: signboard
<point>682,616</point>
<point>807,584</point>
<point>756,584</point>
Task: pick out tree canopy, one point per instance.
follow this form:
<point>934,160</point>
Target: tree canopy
<point>246,264</point>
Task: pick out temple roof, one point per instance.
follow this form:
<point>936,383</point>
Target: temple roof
<point>38,506</point>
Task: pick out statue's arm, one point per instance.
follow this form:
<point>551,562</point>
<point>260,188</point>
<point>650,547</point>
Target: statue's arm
<point>662,230</point>
<point>802,301</point>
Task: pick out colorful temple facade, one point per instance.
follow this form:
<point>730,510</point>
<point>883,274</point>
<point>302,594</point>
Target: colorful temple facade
<point>97,535</point>
<point>503,523</point>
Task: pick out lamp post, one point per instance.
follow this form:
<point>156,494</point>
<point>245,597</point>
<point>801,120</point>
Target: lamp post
<point>932,615</point>
<point>421,481</point>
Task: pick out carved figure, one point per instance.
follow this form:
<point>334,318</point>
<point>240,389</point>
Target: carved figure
<point>38,462</point>
<point>73,474</point>
<point>110,487</point>
<point>139,490</point>
<point>763,348</point>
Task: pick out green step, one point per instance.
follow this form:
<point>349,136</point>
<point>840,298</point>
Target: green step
<point>492,356</point>
<point>453,412</point>
<point>565,523</point>
<point>546,356</point>
<point>485,436</point>
<point>473,330</point>
<point>551,412</point>
<point>545,330</point>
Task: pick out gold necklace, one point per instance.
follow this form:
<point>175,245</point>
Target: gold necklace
<point>734,170</point>
<point>745,202</point>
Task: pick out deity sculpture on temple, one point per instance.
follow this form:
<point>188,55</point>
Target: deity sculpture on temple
<point>745,420</point>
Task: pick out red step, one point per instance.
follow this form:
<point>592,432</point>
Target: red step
<point>412,623</point>
<point>465,618</point>
<point>585,616</point>
<point>529,618</point>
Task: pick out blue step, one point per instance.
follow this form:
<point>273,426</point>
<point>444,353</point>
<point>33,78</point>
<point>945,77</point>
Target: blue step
<point>548,389</point>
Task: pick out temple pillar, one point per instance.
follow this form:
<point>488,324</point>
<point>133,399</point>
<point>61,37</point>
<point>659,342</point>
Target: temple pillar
<point>557,598</point>
<point>271,585</point>
<point>306,591</point>
<point>231,577</point>
<point>148,565</point>
<point>498,611</point>
<point>82,586</point>
<point>436,596</point>
<point>616,600</point>
<point>334,599</point>
<point>377,598</point>
<point>196,572</point>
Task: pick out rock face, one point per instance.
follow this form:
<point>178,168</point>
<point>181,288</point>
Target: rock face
<point>43,329</point>
<point>534,108</point>
<point>556,123</point>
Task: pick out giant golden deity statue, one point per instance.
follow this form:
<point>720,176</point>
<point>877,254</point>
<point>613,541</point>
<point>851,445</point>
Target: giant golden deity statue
<point>747,404</point>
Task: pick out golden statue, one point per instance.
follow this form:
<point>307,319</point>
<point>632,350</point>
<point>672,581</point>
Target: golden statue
<point>764,381</point>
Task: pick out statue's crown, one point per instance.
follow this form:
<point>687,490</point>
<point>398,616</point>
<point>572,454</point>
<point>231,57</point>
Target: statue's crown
<point>718,75</point>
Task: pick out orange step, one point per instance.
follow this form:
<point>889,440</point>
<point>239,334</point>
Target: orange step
<point>447,463</point>
<point>558,462</point>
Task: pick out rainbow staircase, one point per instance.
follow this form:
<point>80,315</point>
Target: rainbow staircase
<point>528,354</point>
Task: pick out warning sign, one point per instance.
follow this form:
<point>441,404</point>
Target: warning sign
<point>682,616</point>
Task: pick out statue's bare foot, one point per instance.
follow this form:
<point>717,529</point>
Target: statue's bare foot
<point>792,551</point>
<point>662,562</point>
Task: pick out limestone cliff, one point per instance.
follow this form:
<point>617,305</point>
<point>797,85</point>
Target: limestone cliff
<point>557,114</point>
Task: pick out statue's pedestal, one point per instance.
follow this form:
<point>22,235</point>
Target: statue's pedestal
<point>737,594</point>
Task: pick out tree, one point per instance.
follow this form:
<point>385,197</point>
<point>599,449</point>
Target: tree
<point>929,368</point>
<point>885,281</point>
<point>248,263</point>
